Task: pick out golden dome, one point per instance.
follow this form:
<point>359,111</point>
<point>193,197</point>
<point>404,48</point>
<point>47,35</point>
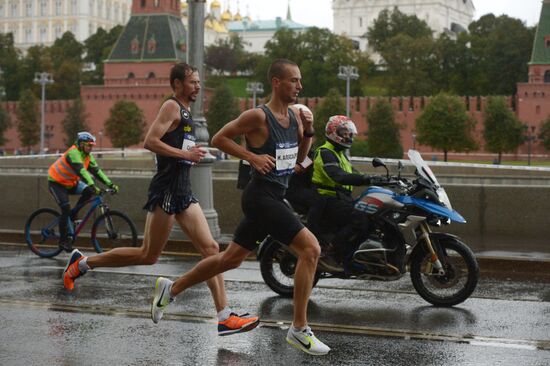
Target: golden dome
<point>208,23</point>
<point>215,5</point>
<point>226,16</point>
<point>237,17</point>
<point>184,5</point>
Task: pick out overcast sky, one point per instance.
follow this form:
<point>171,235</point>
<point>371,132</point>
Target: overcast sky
<point>319,12</point>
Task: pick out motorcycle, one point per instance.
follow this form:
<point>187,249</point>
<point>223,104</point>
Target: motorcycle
<point>442,268</point>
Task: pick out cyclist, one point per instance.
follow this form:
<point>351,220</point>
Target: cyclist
<point>70,174</point>
<point>334,178</point>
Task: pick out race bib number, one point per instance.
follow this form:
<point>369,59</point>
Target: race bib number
<point>286,159</point>
<point>188,143</point>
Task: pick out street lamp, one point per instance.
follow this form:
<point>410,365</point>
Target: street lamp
<point>347,73</point>
<point>530,138</point>
<point>42,78</point>
<point>254,87</point>
<point>414,141</point>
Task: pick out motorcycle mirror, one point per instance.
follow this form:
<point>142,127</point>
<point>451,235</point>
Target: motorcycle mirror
<point>376,162</point>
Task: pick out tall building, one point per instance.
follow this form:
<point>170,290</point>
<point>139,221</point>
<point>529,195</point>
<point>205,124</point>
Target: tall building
<point>353,17</point>
<point>534,96</point>
<point>35,22</point>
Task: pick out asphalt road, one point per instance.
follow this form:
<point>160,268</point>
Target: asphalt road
<point>106,320</point>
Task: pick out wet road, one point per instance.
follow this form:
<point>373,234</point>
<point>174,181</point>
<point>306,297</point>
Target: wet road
<point>106,320</point>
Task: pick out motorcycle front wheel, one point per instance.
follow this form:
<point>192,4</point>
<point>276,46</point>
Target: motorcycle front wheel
<point>277,266</point>
<point>461,272</point>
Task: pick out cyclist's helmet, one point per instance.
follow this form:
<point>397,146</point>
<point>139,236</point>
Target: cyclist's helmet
<point>340,131</point>
<point>85,137</point>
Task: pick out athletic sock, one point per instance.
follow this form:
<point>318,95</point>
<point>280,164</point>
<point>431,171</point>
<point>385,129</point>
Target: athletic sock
<point>83,265</point>
<point>224,314</point>
<point>299,329</point>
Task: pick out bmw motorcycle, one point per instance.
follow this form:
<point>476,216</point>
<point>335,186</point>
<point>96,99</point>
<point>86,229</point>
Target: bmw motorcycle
<point>442,268</point>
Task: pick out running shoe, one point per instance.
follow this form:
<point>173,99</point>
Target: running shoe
<point>237,324</point>
<point>72,272</point>
<point>307,342</point>
<point>161,298</point>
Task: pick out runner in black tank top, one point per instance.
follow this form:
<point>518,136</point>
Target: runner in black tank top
<point>170,188</point>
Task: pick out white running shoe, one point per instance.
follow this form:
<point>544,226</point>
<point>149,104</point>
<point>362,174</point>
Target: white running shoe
<point>307,342</point>
<point>161,298</point>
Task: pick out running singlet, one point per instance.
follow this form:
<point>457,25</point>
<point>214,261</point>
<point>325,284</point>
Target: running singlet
<point>172,173</point>
<point>282,143</point>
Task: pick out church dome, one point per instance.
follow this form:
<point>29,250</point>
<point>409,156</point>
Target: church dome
<point>237,17</point>
<point>215,5</point>
<point>226,16</point>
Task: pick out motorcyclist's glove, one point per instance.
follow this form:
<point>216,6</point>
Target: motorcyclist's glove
<point>375,180</point>
<point>114,187</point>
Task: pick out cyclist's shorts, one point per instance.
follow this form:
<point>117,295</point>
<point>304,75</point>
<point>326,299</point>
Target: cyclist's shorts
<point>265,213</point>
<point>170,203</point>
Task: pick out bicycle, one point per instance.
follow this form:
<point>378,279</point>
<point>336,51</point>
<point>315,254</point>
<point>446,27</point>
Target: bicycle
<point>111,229</point>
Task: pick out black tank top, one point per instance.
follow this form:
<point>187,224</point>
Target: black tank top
<point>281,143</point>
<point>172,173</point>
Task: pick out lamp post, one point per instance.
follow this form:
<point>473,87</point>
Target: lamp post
<point>414,141</point>
<point>2,89</point>
<point>254,87</point>
<point>347,73</point>
<point>42,78</point>
<point>530,138</point>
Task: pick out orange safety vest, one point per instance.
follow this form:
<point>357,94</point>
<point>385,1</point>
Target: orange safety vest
<point>62,172</point>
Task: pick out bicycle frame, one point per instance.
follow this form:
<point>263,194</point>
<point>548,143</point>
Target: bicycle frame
<point>95,202</point>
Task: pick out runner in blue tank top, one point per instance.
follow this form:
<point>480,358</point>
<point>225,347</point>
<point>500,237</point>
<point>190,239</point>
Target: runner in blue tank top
<point>277,136</point>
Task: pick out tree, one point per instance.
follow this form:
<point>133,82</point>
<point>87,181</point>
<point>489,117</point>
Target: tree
<point>98,47</point>
<point>445,125</point>
<point>384,140</point>
<point>223,108</point>
<point>332,104</point>
<point>503,131</point>
<point>74,122</point>
<point>28,125</point>
<point>389,24</point>
<point>5,123</point>
<point>125,125</point>
<point>544,135</point>
<point>9,63</point>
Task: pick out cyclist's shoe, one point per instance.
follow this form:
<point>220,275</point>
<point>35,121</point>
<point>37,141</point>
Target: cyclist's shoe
<point>237,324</point>
<point>307,342</point>
<point>72,272</point>
<point>161,298</point>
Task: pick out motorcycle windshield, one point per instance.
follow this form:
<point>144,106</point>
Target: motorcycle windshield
<point>425,172</point>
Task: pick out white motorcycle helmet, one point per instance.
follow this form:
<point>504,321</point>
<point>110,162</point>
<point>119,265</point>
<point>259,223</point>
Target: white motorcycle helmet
<point>340,131</point>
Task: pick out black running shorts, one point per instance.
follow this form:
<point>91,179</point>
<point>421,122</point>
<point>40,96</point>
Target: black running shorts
<point>265,213</point>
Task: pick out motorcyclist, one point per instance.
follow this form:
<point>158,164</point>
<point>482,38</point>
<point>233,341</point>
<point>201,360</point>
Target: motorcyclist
<point>334,178</point>
<point>70,174</point>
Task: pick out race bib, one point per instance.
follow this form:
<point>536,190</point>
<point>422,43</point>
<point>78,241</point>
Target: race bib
<point>188,143</point>
<point>286,160</point>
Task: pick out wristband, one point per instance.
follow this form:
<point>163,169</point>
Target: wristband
<point>309,135</point>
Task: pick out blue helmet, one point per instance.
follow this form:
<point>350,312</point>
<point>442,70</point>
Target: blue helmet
<point>85,137</point>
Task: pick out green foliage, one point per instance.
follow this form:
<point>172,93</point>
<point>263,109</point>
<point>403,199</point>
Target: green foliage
<point>125,125</point>
<point>392,23</point>
<point>445,125</point>
<point>503,131</point>
<point>74,122</point>
<point>359,148</point>
<point>224,107</point>
<point>384,139</point>
<point>9,63</point>
<point>98,47</point>
<point>333,104</point>
<point>5,123</point>
<point>318,53</point>
<point>28,123</point>
<point>544,134</point>
<point>227,55</point>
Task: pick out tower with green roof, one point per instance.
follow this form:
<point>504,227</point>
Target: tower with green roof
<point>534,96</point>
<point>152,41</point>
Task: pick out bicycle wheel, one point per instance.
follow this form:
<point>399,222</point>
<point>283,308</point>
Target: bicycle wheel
<point>42,232</point>
<point>113,229</point>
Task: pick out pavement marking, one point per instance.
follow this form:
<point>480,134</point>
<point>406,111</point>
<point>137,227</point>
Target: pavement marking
<point>405,334</point>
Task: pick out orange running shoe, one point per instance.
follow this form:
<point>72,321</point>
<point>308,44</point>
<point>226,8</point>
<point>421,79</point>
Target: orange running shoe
<point>237,324</point>
<point>71,271</point>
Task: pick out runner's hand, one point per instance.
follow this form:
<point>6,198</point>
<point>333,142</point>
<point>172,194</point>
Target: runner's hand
<point>263,163</point>
<point>307,119</point>
<point>195,154</point>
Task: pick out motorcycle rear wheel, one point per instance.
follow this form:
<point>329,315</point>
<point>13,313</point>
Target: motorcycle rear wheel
<point>277,266</point>
<point>461,272</point>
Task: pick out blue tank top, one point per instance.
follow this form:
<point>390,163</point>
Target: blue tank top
<point>282,144</point>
